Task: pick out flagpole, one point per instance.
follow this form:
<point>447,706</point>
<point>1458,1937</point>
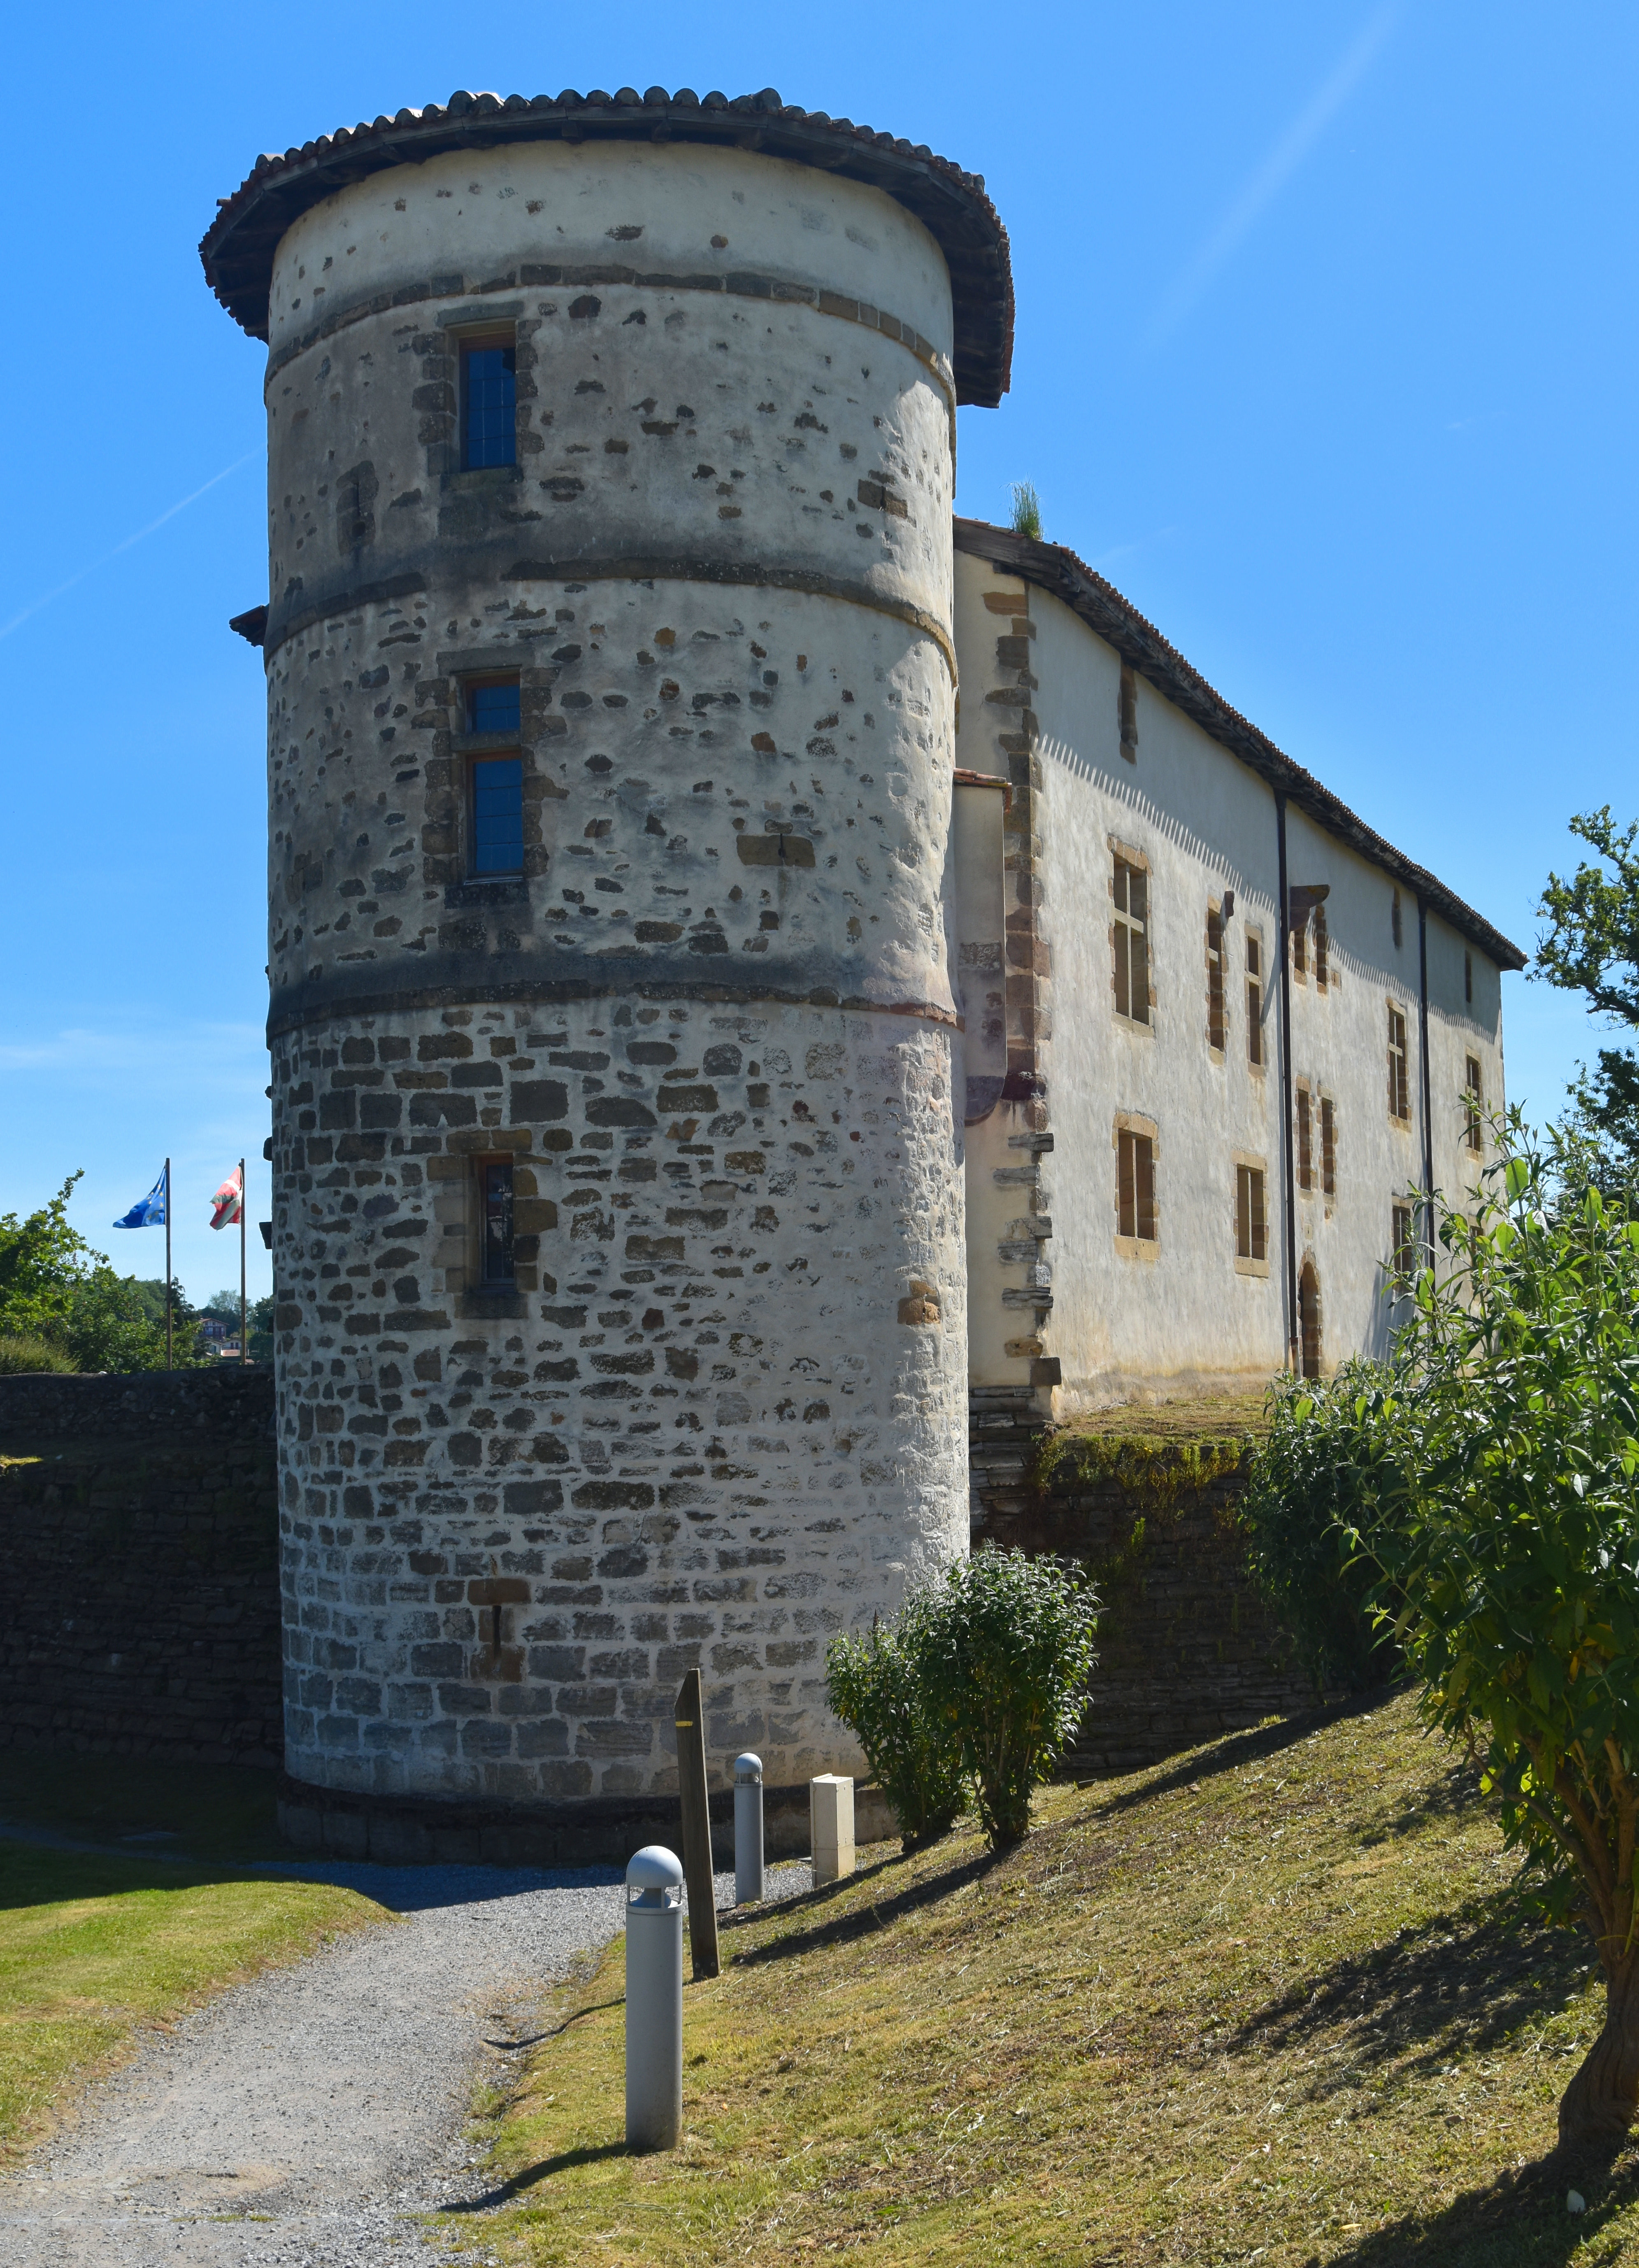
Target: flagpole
<point>168,1364</point>
<point>243,1347</point>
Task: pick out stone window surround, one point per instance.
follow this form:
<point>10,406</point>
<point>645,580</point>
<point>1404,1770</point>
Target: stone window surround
<point>1401,1121</point>
<point>1131,856</point>
<point>1260,1166</point>
<point>1218,1049</point>
<point>1252,932</point>
<point>1143,1249</point>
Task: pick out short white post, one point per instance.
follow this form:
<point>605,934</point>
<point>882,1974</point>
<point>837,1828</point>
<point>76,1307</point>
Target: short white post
<point>654,2000</point>
<point>747,1829</point>
<point>831,1826</point>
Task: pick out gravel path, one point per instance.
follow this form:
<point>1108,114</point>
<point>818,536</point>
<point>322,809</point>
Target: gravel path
<point>305,2119</point>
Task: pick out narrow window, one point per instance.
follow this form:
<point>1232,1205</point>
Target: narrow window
<point>496,1187</point>
<point>1322,946</point>
<point>489,402</point>
<point>1251,1235</point>
<point>1469,977</point>
<point>1132,949</point>
<point>497,824</point>
<point>1305,1150</point>
<point>1129,715</point>
<point>1400,1088</point>
<point>1404,1257</point>
<point>1135,1192</point>
<point>1254,999</point>
<point>493,706</point>
<point>1472,1103</point>
<point>1300,948</point>
<point>1396,923</point>
<point>1215,979</point>
<point>1328,1146</point>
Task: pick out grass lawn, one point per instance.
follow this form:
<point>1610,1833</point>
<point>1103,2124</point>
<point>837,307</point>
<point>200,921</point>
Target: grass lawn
<point>92,1949</point>
<point>1254,2005</point>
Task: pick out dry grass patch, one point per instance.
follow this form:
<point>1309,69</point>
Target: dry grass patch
<point>1257,2005</point>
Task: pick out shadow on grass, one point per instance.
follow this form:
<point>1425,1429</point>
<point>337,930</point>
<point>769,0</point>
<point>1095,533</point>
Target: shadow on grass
<point>1463,1981</point>
<point>1238,1748</point>
<point>539,2039</point>
<point>1519,2220</point>
<point>531,2176</point>
<point>865,1921</point>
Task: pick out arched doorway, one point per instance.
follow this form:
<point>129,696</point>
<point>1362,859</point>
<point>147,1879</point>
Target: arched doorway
<point>1309,1319</point>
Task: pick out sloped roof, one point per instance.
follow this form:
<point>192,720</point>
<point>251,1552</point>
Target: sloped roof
<point>1052,567</point>
<point>239,246</point>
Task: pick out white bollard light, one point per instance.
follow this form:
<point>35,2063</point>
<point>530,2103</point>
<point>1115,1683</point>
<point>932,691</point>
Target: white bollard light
<point>831,1826</point>
<point>747,1829</point>
<point>654,2000</point>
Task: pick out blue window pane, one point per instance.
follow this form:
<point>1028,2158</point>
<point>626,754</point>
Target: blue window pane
<point>498,815</point>
<point>489,434</point>
<point>492,709</point>
<point>497,1195</point>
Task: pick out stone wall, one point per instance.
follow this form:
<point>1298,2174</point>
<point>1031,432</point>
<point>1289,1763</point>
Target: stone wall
<point>1187,1647</point>
<point>139,1566</point>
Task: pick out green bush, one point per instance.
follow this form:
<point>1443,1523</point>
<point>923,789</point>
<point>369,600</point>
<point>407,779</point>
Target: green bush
<point>1310,1485</point>
<point>874,1683</point>
<point>1005,1654</point>
<point>21,1352</point>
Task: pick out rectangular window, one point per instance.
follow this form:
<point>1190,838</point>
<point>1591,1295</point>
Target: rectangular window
<point>1473,1104</point>
<point>1132,942</point>
<point>1254,999</point>
<point>1135,1194</point>
<point>1322,950</point>
<point>1251,1237</point>
<point>498,836</point>
<point>1300,948</point>
<point>1129,715</point>
<point>1404,1250</point>
<point>1305,1141</point>
<point>1328,1146</point>
<point>494,1180</point>
<point>494,707</point>
<point>489,402</point>
<point>1468,977</point>
<point>1400,1086</point>
<point>1215,979</point>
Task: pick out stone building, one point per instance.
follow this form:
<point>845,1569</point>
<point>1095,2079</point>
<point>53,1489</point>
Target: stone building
<point>679,1009</point>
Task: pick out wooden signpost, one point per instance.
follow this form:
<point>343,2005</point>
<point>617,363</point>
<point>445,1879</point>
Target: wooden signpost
<point>691,1785</point>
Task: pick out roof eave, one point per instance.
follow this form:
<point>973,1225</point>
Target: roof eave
<point>1053,567</point>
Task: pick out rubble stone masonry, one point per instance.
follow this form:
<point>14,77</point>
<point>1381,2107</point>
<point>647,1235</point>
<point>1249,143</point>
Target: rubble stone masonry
<point>721,1412</point>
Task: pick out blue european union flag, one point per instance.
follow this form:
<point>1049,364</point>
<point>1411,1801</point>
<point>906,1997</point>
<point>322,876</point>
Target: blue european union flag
<point>149,1211</point>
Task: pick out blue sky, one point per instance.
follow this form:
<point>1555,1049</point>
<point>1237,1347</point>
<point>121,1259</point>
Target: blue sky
<point>1325,354</point>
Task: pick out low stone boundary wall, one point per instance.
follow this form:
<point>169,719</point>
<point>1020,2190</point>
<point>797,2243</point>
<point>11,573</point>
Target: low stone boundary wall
<point>1189,1648</point>
<point>139,1566</point>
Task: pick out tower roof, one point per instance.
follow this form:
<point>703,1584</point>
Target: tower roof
<point>238,249</point>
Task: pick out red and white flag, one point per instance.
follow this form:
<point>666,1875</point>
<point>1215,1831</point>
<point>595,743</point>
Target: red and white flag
<point>229,1201</point>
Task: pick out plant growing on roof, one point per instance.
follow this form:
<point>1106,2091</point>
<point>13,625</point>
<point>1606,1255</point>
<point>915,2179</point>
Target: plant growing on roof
<point>1005,1654</point>
<point>1026,520</point>
<point>874,1683</point>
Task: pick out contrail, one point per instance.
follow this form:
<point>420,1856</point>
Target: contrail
<point>171,512</point>
<point>1272,176</point>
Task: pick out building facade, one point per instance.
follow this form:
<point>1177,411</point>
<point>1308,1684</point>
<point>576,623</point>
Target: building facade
<point>704,1047</point>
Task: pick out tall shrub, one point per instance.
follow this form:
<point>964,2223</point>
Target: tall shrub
<point>1006,1650</point>
<point>1319,1472</point>
<point>874,1683</point>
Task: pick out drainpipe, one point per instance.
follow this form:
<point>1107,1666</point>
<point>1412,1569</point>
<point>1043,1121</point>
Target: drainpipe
<point>1422,1050</point>
<point>1289,1222</point>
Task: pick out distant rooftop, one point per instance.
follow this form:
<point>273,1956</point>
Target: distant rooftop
<point>238,249</point>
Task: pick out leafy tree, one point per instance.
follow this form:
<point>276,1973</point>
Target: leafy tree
<point>107,1324</point>
<point>875,1685</point>
<point>1317,1474</point>
<point>41,1259</point>
<point>55,1287</point>
<point>1005,1654</point>
<point>260,1347</point>
<point>1593,948</point>
<point>1503,1530</point>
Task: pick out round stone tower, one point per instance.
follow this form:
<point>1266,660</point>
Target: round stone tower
<point>618,1216</point>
